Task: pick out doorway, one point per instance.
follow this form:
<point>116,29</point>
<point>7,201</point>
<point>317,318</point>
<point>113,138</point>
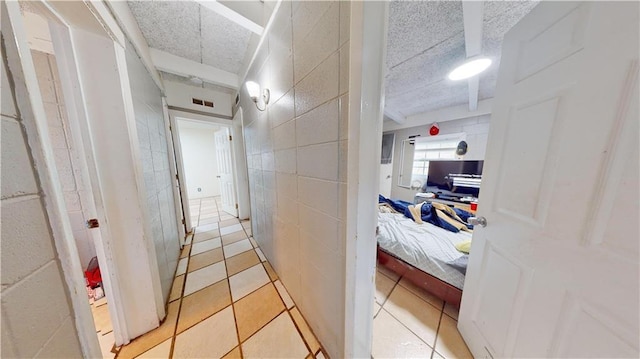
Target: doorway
<point>206,161</point>
<point>66,138</point>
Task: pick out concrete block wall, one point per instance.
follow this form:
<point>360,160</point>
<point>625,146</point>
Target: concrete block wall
<point>154,154</point>
<point>67,157</point>
<point>476,129</point>
<point>297,158</point>
<point>37,317</point>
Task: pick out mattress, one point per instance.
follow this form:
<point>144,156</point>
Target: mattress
<point>424,246</point>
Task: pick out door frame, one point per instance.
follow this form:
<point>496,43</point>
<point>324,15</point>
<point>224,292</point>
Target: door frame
<point>237,157</point>
<point>367,64</point>
<point>181,216</point>
<point>29,101</point>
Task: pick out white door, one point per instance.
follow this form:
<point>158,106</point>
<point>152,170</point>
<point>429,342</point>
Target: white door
<point>225,172</point>
<point>555,271</point>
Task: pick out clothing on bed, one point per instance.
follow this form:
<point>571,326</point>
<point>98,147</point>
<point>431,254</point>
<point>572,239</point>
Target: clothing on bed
<point>438,214</point>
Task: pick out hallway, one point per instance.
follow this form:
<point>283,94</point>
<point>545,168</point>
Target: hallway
<point>226,300</point>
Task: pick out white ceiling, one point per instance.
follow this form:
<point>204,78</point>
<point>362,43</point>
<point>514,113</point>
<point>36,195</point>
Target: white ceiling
<point>426,41</point>
<point>190,30</point>
<point>186,81</point>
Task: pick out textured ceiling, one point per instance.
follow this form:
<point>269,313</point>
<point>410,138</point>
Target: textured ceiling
<point>426,41</point>
<point>189,30</point>
<point>184,80</point>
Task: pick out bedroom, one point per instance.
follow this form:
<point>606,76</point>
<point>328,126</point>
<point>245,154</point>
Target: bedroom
<point>435,127</point>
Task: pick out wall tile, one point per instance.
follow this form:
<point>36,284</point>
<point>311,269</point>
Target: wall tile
<point>286,160</point>
<point>26,241</point>
<point>344,117</point>
<point>284,136</point>
<point>344,69</point>
<point>63,344</point>
<point>283,110</point>
<point>287,185</point>
<point>345,21</point>
<point>8,107</point>
<point>43,293</point>
<point>305,16</point>
<point>319,86</point>
<point>319,194</point>
<point>16,170</point>
<point>319,125</point>
<point>319,161</point>
<point>319,226</point>
<point>319,43</point>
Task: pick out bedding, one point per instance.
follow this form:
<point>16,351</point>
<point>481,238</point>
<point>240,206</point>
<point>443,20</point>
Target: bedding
<point>438,214</point>
<point>425,246</point>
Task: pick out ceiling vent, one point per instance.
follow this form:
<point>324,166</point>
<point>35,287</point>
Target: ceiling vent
<point>200,102</point>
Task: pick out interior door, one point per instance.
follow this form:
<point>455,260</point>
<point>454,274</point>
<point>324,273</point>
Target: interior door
<point>555,271</point>
<point>225,172</point>
<point>182,186</point>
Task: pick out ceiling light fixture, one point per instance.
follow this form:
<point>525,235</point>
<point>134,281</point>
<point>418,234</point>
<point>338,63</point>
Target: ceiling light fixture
<point>470,69</point>
<point>253,89</point>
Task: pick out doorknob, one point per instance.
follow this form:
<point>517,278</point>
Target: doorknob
<point>475,221</point>
<point>217,176</point>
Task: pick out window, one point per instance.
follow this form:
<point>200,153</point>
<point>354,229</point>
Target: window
<point>430,149</point>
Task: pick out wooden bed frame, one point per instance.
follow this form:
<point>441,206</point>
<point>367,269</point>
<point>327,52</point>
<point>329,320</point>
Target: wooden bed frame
<point>431,284</point>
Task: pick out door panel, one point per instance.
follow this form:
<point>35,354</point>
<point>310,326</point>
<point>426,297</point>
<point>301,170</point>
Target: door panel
<point>555,272</point>
<point>225,170</point>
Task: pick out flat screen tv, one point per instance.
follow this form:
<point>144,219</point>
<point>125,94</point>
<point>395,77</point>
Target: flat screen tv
<point>454,180</point>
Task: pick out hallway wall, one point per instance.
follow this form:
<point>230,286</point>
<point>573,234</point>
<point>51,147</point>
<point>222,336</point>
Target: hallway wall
<point>150,125</point>
<point>200,161</point>
<point>31,273</point>
<point>297,158</point>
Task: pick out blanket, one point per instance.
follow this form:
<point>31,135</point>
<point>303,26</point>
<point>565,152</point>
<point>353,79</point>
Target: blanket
<point>438,214</point>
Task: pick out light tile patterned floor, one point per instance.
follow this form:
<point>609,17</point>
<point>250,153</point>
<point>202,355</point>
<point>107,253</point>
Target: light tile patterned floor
<point>226,302</point>
<point>411,323</point>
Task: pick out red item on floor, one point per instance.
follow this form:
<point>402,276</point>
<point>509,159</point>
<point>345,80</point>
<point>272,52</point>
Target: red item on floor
<point>94,279</point>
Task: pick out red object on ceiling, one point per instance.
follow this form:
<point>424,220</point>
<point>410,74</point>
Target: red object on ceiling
<point>434,129</point>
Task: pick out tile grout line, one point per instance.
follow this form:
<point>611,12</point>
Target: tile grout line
<point>184,284</point>
<point>233,308</point>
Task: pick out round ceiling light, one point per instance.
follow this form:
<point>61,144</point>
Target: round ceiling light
<point>469,69</point>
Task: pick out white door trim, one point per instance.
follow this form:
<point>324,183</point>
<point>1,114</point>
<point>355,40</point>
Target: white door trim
<point>240,169</point>
<point>177,200</point>
<point>30,103</point>
<point>366,93</point>
<point>177,148</point>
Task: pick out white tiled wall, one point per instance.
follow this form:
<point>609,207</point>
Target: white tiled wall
<point>296,154</point>
<point>67,159</point>
<point>476,128</point>
<point>37,318</point>
<point>147,103</point>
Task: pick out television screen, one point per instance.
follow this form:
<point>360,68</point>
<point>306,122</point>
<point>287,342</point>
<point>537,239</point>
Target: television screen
<point>454,179</point>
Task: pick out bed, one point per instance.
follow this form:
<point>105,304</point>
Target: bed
<point>424,254</point>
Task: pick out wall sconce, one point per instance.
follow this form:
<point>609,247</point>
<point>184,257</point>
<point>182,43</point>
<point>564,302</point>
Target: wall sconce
<point>254,91</point>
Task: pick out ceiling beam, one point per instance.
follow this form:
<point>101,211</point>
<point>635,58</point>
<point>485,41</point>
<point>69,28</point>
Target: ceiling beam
<point>441,115</point>
<point>124,17</point>
<point>473,16</point>
<point>395,116</point>
<point>232,15</point>
<point>177,65</point>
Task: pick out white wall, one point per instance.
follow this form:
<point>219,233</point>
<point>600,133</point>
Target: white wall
<point>476,128</point>
<point>200,162</point>
<point>158,178</point>
<point>297,159</point>
<point>37,316</point>
<point>181,95</point>
<point>67,161</point>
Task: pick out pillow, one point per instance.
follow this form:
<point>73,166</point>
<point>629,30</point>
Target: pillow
<point>464,246</point>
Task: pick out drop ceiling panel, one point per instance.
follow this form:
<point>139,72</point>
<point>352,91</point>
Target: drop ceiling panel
<point>415,27</point>
<point>426,41</point>
<point>224,43</point>
<point>171,26</point>
<point>426,68</point>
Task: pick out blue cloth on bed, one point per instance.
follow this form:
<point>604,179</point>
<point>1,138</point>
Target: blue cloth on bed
<point>427,213</point>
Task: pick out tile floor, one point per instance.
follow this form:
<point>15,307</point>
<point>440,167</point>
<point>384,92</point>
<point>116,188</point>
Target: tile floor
<point>226,301</point>
<point>104,329</point>
<point>411,323</point>
<point>206,211</point>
